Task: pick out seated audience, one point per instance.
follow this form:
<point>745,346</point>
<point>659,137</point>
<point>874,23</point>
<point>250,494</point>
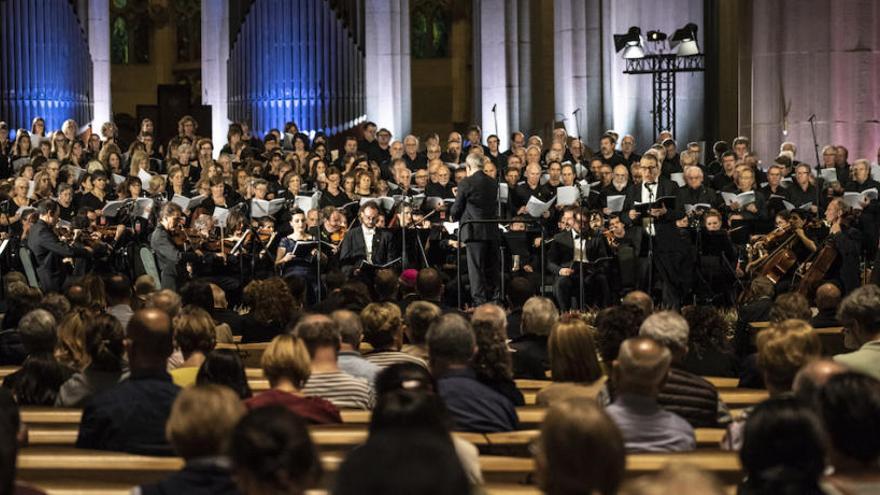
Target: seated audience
<point>11,440</point>
<point>639,299</point>
<point>105,348</point>
<point>195,337</point>
<point>224,367</point>
<point>519,290</point>
<point>418,317</point>
<point>118,289</point>
<point>130,417</point>
<point>849,406</point>
<point>530,358</point>
<point>493,362</point>
<point>272,309</point>
<point>613,326</point>
<point>827,301</point>
<point>383,330</point>
<point>783,450</point>
<point>859,314</point>
<point>320,334</point>
<point>199,429</point>
<point>580,450</point>
<point>574,363</point>
<point>709,353</point>
<point>286,365</point>
<point>40,377</point>
<point>812,377</point>
<point>272,453</point>
<point>685,394</point>
<point>351,332</point>
<point>473,405</point>
<point>198,293</point>
<point>639,373</point>
<point>675,479</point>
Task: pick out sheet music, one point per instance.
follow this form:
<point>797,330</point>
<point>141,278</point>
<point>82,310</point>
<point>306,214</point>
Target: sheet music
<point>678,178</point>
<point>536,208</point>
<point>145,178</point>
<point>567,195</point>
<point>220,215</point>
<point>829,174</point>
<point>615,203</point>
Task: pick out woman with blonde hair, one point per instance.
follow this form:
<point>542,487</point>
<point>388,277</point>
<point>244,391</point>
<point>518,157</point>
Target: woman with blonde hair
<point>194,335</point>
<point>574,363</point>
<point>287,366</point>
<point>70,350</point>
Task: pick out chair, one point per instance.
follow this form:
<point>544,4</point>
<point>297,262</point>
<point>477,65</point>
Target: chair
<point>27,261</point>
<point>149,262</point>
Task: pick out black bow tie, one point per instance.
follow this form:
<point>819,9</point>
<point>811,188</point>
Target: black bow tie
<point>650,183</point>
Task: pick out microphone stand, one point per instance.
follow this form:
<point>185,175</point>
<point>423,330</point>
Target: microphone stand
<point>651,232</point>
<point>318,262</point>
<point>577,124</point>
<point>401,212</point>
<point>812,121</point>
<point>495,117</point>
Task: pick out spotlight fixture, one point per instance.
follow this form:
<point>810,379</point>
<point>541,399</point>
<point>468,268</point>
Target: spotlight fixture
<point>630,43</point>
<point>656,36</point>
<point>685,41</point>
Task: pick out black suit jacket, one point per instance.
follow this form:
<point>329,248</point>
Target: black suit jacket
<point>477,199</point>
<point>48,253</point>
<point>561,253</point>
<point>167,257</point>
<point>665,187</point>
<point>353,249</point>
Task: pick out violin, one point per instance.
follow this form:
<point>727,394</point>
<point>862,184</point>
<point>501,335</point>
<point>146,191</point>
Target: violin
<point>609,236</point>
<point>336,237</point>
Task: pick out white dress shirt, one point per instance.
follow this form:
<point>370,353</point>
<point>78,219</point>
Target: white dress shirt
<point>368,243</point>
<point>649,195</point>
<point>579,247</point>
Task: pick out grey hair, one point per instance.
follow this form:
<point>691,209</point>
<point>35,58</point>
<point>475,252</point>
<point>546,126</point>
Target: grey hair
<point>474,162</point>
<point>668,328</point>
<point>639,370</point>
<point>539,314</point>
<point>451,339</point>
<point>351,329</point>
<point>861,306</point>
<point>37,331</point>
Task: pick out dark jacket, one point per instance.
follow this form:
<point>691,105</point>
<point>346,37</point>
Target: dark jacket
<point>48,254</point>
<point>353,250</point>
<point>691,397</point>
<point>196,478</point>
<point>167,257</point>
<point>477,199</point>
<point>561,252</point>
<point>531,359</point>
<point>664,187</point>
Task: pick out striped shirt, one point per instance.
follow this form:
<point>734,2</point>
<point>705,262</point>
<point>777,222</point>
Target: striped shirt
<point>384,359</point>
<point>341,389</point>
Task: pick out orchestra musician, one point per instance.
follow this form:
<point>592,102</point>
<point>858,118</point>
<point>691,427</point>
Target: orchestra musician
<point>366,243</point>
<point>48,251</point>
<point>168,255</point>
<point>292,264</point>
<point>578,243</point>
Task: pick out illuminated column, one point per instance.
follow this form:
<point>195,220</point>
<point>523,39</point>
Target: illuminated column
<point>215,54</point>
<point>387,66</point>
<point>99,45</point>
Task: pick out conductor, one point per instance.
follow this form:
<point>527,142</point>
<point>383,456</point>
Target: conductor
<point>477,199</point>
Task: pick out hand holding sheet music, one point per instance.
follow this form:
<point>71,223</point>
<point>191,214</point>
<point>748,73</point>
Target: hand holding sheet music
<point>536,208</point>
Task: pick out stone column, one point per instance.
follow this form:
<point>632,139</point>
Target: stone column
<point>215,54</point>
<point>99,46</point>
<point>387,65</point>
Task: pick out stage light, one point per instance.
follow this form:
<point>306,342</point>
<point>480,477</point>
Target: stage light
<point>656,36</point>
<point>630,43</point>
<point>685,41</point>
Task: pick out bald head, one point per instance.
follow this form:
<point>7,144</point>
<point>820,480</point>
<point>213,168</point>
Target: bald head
<point>813,376</point>
<point>149,338</point>
<point>641,366</point>
<point>639,299</point>
<point>827,296</point>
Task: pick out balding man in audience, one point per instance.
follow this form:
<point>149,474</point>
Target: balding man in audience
<point>684,393</point>
<point>131,416</point>
<point>827,301</point>
<point>472,405</point>
<point>351,332</point>
<point>640,370</point>
<point>813,376</point>
<point>859,313</point>
<point>639,299</point>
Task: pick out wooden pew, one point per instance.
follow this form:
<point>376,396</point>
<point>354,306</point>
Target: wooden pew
<point>250,353</point>
<point>7,370</point>
<point>831,337</point>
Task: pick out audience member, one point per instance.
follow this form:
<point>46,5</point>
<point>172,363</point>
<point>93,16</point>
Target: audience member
<point>683,393</point>
<point>273,453</point>
<point>199,429</point>
<point>195,337</point>
<point>105,348</point>
<point>473,405</point>
<point>709,353</point>
<point>530,358</point>
<point>351,332</point>
<point>849,406</point>
<point>492,362</point>
<point>783,450</point>
<point>812,377</point>
<point>418,317</point>
<point>320,334</point>
<point>40,377</point>
<point>675,479</point>
<point>580,450</point>
<point>639,299</point>
<point>859,314</point>
<point>613,326</point>
<point>383,330</point>
<point>783,349</point>
<point>639,373</point>
<point>519,290</point>
<point>272,309</point>
<point>286,365</point>
<point>224,367</point>
<point>10,442</point>
<point>118,289</point>
<point>130,417</point>
<point>827,301</point>
<point>574,363</point>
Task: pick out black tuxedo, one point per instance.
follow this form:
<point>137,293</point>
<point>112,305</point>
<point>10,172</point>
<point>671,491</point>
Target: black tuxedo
<point>561,255</point>
<point>477,199</point>
<point>48,253</point>
<point>353,249</point>
<point>663,187</point>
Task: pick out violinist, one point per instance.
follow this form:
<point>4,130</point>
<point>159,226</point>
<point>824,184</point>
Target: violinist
<point>165,240</point>
<point>296,263</point>
<point>48,251</point>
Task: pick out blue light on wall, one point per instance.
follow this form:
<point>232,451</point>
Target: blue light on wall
<point>45,65</point>
<point>299,61</point>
